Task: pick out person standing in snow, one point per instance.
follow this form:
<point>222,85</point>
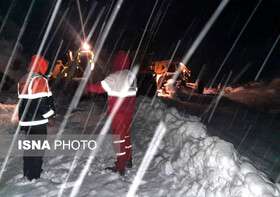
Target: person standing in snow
<point>36,106</point>
<point>119,84</point>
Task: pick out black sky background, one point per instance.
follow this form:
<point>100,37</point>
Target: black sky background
<point>183,21</point>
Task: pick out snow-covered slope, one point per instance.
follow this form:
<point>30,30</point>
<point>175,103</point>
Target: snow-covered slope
<point>188,163</point>
<point>198,165</point>
<point>265,96</point>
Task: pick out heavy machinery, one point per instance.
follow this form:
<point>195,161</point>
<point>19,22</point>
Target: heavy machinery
<point>75,65</point>
<point>65,77</point>
<point>157,77</point>
<point>170,75</point>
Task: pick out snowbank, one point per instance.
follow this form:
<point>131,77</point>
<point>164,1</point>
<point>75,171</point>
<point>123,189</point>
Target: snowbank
<point>188,163</point>
<point>196,164</point>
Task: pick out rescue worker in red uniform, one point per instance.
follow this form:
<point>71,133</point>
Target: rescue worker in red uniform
<point>36,106</point>
<point>120,84</point>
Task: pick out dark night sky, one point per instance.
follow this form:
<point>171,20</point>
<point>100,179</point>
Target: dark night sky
<point>183,21</point>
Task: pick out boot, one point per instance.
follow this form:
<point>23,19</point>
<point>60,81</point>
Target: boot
<point>114,169</point>
<point>32,167</point>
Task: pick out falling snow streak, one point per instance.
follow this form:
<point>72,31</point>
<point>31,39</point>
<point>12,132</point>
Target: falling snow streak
<point>267,58</point>
<point>108,11</point>
<point>92,9</point>
<point>107,15</point>
<point>239,75</point>
<point>25,110</point>
<point>161,19</point>
<point>149,155</point>
<point>138,109</point>
<point>88,117</point>
<point>55,31</point>
<point>202,70</point>
<point>73,32</point>
<point>171,59</point>
<point>12,56</point>
<point>81,18</point>
<point>92,155</point>
<point>144,33</point>
<point>95,24</point>
<point>51,21</point>
<point>205,30</point>
<point>99,140</point>
<point>4,21</point>
<point>201,36</point>
<point>154,26</point>
<point>88,69</point>
<point>46,22</point>
<point>154,97</point>
<point>73,166</point>
<point>244,137</point>
<point>5,162</point>
<point>217,100</point>
<point>76,157</point>
<point>103,25</point>
<point>106,27</point>
<point>235,42</point>
<point>56,55</point>
<point>114,49</point>
<point>141,104</point>
<point>54,13</point>
<point>78,154</point>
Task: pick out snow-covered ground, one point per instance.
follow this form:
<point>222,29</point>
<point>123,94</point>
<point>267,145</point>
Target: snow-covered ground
<point>247,116</point>
<point>189,162</point>
<point>262,95</point>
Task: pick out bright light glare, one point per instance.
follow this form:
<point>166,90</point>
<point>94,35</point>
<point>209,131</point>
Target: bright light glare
<point>85,46</point>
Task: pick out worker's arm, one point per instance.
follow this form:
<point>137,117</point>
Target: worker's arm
<point>47,107</point>
<point>95,88</point>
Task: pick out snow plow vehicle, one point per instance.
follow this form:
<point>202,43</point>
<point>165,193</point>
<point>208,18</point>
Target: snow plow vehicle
<point>165,72</point>
<point>158,77</point>
<point>65,77</point>
<point>75,66</point>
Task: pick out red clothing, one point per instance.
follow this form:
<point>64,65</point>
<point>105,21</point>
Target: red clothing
<point>39,64</point>
<point>120,84</point>
<point>39,85</point>
<point>95,88</point>
<point>36,105</point>
<point>35,108</point>
<point>121,123</point>
<point>38,82</point>
<point>121,61</point>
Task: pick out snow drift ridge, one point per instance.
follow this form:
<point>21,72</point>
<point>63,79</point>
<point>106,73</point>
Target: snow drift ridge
<point>198,165</point>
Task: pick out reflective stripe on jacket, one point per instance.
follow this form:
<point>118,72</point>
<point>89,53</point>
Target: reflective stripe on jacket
<point>120,84</point>
<point>36,104</point>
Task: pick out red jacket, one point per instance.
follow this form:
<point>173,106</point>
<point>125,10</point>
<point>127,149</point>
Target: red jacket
<point>120,83</point>
<point>36,104</point>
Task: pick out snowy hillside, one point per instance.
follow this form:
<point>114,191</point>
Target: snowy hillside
<point>265,96</point>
